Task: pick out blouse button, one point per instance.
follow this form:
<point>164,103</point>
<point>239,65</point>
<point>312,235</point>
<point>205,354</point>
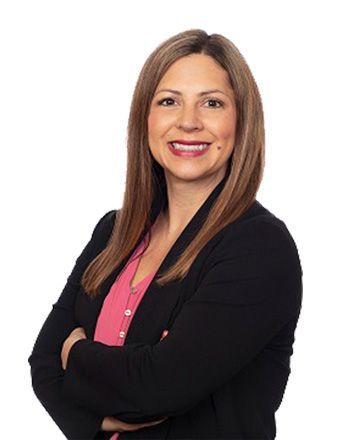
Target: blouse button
<point>122,334</point>
<point>127,312</point>
<point>133,290</point>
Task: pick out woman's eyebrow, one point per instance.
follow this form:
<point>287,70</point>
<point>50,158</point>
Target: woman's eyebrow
<point>206,92</point>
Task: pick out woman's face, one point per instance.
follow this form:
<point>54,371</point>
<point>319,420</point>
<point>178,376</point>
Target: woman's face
<point>188,113</point>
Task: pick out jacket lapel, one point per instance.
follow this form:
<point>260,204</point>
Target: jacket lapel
<point>191,229</point>
<point>158,302</point>
<point>157,308</point>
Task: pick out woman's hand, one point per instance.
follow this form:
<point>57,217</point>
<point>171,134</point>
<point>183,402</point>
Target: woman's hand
<point>112,424</point>
<point>77,334</point>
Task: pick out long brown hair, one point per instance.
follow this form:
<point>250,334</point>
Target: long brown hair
<point>244,171</point>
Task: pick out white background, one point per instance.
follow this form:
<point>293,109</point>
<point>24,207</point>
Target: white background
<point>68,70</point>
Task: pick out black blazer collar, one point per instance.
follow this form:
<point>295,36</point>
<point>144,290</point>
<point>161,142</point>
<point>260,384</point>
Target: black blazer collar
<point>191,228</point>
<point>184,238</point>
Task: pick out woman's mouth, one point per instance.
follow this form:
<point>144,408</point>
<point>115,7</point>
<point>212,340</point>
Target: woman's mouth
<point>188,150</point>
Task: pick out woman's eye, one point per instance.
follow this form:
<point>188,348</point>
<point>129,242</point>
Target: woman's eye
<point>216,101</point>
<point>163,100</point>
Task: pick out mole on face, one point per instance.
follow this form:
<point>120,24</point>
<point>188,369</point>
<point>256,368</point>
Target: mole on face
<point>219,147</point>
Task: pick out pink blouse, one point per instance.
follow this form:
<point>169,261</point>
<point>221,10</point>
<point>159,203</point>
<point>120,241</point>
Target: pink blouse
<point>121,303</point>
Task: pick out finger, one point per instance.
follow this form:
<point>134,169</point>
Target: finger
<point>123,426</point>
<point>164,334</point>
<point>136,426</point>
<point>79,330</point>
<point>154,423</point>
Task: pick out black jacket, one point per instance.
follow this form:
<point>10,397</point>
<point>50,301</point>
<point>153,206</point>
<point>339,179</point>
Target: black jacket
<point>220,372</point>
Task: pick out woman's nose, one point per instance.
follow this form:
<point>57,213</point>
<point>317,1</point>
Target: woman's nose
<point>189,118</point>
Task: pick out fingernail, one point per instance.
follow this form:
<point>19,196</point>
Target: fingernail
<point>164,334</point>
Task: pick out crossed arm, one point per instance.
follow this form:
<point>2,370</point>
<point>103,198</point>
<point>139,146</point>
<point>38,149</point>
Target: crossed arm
<point>252,288</point>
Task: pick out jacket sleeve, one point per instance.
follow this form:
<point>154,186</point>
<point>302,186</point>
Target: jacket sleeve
<point>73,419</point>
<point>251,289</point>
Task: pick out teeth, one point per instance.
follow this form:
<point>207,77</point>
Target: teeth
<point>189,147</point>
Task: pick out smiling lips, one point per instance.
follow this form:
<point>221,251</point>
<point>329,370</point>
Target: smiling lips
<point>188,150</point>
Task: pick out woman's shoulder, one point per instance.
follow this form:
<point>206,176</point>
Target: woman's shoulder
<point>259,220</point>
<point>255,261</point>
<point>102,230</point>
<point>260,235</point>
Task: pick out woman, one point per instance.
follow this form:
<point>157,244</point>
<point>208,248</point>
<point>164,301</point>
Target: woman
<point>213,276</point>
